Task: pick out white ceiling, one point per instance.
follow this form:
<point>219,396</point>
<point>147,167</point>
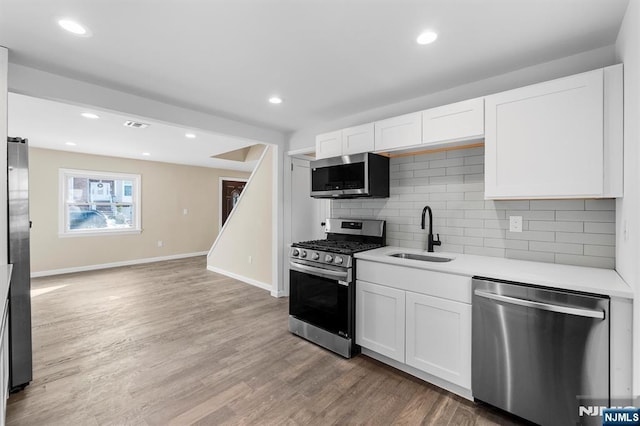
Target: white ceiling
<point>51,125</point>
<point>327,58</point>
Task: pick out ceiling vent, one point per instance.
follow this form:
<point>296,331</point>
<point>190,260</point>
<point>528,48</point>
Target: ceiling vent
<point>136,124</point>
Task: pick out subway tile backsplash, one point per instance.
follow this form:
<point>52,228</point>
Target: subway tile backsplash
<point>573,232</point>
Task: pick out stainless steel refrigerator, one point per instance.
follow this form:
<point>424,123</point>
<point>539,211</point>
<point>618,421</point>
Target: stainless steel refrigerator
<point>20,363</point>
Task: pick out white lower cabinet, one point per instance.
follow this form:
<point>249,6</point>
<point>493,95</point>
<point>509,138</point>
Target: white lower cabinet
<point>380,319</point>
<point>4,363</point>
<point>418,318</point>
<point>438,337</point>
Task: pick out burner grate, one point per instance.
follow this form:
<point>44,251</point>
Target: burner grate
<point>343,247</point>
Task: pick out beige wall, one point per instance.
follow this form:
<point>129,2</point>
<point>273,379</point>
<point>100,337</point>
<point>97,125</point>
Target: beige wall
<point>167,189</point>
<point>248,232</point>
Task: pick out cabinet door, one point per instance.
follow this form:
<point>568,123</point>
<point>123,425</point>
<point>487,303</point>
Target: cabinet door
<point>454,122</point>
<point>329,145</point>
<point>546,140</point>
<point>357,139</point>
<point>439,337</point>
<point>398,132</point>
<point>380,319</point>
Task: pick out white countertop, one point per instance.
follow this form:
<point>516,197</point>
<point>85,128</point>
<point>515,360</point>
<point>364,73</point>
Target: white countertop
<point>578,278</point>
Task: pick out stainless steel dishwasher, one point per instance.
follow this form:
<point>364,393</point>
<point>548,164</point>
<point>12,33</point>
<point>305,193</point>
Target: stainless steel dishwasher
<point>535,351</point>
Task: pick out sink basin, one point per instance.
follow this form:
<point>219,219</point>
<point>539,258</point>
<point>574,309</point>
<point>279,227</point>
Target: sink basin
<point>423,257</point>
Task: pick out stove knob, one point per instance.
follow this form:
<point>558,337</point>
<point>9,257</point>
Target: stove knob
<point>338,260</point>
<point>328,258</point>
<point>315,256</point>
<point>295,252</point>
<point>303,253</point>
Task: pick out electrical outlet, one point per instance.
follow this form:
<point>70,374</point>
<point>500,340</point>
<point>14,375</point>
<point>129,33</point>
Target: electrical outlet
<point>515,223</point>
<point>185,211</point>
<point>250,260</point>
<point>160,243</point>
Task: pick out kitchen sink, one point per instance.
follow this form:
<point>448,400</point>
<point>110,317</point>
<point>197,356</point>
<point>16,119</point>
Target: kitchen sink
<point>422,257</point>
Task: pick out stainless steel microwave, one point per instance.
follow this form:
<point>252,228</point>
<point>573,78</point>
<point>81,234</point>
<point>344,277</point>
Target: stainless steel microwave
<point>350,176</point>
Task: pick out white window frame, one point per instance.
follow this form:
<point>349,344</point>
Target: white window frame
<point>64,174</point>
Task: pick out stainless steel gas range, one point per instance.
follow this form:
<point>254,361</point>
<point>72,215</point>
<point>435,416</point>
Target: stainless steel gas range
<point>322,283</point>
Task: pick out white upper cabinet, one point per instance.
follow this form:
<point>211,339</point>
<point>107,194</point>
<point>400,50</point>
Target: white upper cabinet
<point>558,139</point>
<point>452,123</point>
<point>461,121</point>
<point>352,140</point>
<point>357,139</point>
<point>329,144</point>
<point>398,132</point>
<point>455,122</point>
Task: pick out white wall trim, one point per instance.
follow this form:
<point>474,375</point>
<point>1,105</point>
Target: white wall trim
<point>303,153</point>
<point>276,221</point>
<point>286,218</point>
<point>115,264</point>
<point>246,280</point>
<point>220,180</point>
<point>279,293</point>
<point>46,85</point>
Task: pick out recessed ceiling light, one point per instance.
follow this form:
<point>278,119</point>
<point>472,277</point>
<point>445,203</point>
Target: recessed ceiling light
<point>74,27</point>
<point>427,37</point>
<point>190,135</point>
<point>90,115</point>
<point>135,124</point>
<point>70,143</point>
<point>275,100</point>
<point>146,154</point>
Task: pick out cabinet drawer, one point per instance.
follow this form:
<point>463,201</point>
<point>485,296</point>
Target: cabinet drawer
<point>438,284</point>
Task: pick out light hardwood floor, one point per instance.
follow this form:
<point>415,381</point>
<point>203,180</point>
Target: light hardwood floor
<point>171,343</point>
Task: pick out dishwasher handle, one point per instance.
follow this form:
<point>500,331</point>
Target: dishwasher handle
<point>598,314</point>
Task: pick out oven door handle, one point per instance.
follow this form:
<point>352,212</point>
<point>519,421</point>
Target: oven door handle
<point>342,277</point>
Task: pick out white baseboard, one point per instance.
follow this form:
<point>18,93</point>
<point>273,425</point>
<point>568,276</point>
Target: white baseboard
<point>279,293</point>
<point>251,281</point>
<point>114,264</point>
<point>444,384</point>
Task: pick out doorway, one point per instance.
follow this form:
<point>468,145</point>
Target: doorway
<point>230,191</point>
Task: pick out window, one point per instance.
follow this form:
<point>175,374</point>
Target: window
<point>93,203</point>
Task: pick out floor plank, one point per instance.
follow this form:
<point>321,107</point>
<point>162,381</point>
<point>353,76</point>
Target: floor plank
<point>172,343</point>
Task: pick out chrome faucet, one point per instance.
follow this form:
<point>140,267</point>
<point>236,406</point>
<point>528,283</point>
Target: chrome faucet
<point>430,241</point>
